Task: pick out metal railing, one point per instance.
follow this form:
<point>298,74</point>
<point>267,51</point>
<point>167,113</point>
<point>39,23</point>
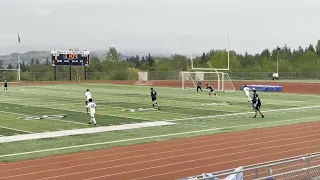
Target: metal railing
<point>268,169</point>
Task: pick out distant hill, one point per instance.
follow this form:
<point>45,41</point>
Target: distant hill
<point>43,55</point>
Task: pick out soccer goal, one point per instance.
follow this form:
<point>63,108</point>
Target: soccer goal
<point>143,79</point>
<point>10,75</point>
<point>221,81</point>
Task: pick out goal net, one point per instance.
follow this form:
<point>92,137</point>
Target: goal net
<point>143,79</point>
<point>219,80</point>
<point>11,75</point>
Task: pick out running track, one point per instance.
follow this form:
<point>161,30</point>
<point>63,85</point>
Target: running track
<point>172,159</point>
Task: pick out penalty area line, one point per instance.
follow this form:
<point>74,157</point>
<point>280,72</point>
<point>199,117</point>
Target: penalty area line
<point>152,137</point>
<point>19,130</point>
<point>244,113</point>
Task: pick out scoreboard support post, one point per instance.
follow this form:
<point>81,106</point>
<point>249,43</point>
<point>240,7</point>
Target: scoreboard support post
<point>85,72</point>
<point>55,73</point>
<point>70,75</point>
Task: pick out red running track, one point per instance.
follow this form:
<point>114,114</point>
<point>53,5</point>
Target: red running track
<point>172,159</point>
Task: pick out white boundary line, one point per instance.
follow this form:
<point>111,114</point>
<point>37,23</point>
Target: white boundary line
<point>151,137</point>
<point>16,129</point>
<point>39,119</point>
<point>244,113</point>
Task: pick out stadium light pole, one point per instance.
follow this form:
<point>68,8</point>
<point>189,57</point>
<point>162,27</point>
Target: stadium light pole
<point>278,49</point>
<point>18,73</point>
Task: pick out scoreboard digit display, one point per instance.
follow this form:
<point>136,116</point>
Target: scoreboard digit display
<point>70,58</point>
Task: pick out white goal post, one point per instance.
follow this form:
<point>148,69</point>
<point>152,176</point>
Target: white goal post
<point>10,74</point>
<point>143,79</point>
<point>221,81</point>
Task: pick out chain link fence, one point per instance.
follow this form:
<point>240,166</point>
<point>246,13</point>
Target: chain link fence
<point>124,74</point>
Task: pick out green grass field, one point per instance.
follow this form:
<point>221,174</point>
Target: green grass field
<point>22,107</point>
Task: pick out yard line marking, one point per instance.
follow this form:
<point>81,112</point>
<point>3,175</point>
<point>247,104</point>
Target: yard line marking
<point>16,129</point>
<point>244,113</point>
<point>118,115</point>
<point>46,119</point>
<point>76,131</point>
<point>151,137</point>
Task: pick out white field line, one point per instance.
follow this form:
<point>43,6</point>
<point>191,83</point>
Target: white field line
<point>171,164</point>
<point>193,144</point>
<point>163,152</point>
<point>244,113</point>
<point>6,112</point>
<point>82,131</point>
<point>83,112</point>
<point>13,129</point>
<point>198,167</point>
<point>152,137</point>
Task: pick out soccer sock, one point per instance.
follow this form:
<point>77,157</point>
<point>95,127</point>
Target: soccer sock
<point>152,105</point>
<point>94,120</point>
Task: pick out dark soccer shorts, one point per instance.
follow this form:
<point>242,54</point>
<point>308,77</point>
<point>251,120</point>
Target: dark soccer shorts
<point>86,102</point>
<point>5,85</point>
<point>153,99</point>
<point>211,90</point>
<point>257,107</point>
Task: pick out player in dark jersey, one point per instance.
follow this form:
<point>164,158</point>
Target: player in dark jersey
<point>254,98</point>
<point>153,94</point>
<point>5,84</point>
<point>199,86</point>
<point>211,90</point>
<point>257,106</point>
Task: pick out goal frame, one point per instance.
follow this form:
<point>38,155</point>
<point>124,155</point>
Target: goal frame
<point>220,79</point>
<point>18,72</point>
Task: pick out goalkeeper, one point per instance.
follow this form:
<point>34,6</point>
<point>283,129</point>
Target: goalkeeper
<point>199,86</point>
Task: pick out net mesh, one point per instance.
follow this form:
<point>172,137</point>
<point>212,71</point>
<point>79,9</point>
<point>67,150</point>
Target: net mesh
<point>143,79</point>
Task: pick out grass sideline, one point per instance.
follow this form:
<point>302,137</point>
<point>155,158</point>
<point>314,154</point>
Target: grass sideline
<point>198,115</point>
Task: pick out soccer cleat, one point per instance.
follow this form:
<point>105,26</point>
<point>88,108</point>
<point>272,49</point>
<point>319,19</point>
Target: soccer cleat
<point>262,116</point>
<point>89,122</point>
<point>254,116</point>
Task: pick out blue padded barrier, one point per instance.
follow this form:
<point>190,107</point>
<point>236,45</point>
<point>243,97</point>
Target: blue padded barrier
<point>265,88</point>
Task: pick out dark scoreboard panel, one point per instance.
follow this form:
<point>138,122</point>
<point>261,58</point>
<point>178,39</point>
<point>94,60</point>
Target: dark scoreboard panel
<point>69,58</point>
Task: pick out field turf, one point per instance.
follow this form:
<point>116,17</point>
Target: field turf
<point>35,109</point>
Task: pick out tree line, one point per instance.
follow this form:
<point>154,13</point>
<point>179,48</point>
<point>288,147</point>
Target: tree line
<point>113,66</point>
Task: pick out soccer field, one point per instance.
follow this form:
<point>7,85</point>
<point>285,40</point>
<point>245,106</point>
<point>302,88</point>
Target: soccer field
<point>37,109</point>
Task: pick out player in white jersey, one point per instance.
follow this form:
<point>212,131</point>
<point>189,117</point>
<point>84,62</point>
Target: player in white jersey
<point>247,92</point>
<point>88,96</point>
<point>92,106</point>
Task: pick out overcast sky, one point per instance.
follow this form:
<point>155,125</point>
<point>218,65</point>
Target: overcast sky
<point>158,25</point>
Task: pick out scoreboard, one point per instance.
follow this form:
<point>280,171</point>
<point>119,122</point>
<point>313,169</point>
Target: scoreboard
<point>70,58</point>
